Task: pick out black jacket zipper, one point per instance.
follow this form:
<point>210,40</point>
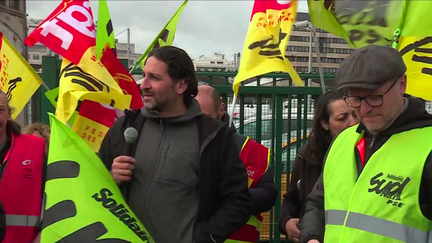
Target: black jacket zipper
<point>372,141</point>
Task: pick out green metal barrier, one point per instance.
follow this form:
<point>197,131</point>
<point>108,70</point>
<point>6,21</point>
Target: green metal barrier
<point>277,116</point>
<point>50,72</point>
<point>289,116</point>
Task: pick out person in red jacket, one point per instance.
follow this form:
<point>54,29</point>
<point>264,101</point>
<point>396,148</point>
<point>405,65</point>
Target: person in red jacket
<point>22,170</point>
<point>256,160</point>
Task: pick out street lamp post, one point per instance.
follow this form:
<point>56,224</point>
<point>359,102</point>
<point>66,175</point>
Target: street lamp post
<point>311,28</point>
<point>128,44</point>
<point>310,58</point>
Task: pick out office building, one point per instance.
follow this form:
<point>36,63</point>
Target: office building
<point>122,53</point>
<point>333,50</point>
<point>218,63</point>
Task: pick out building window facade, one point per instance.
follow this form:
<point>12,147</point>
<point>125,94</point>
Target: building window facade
<point>299,38</point>
<point>14,4</point>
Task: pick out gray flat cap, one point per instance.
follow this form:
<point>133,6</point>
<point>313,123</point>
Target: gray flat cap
<point>370,67</point>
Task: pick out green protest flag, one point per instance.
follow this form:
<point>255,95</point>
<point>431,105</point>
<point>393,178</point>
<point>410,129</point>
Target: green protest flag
<point>83,203</point>
<point>416,18</point>
<point>360,23</point>
<point>165,37</point>
<point>52,96</point>
<point>322,17</point>
<point>105,30</point>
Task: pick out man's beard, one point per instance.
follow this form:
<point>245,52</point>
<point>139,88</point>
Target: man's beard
<point>156,105</point>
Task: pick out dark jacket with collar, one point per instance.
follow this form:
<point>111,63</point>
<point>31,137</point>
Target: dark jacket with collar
<point>414,116</point>
<point>224,201</point>
<point>303,179</point>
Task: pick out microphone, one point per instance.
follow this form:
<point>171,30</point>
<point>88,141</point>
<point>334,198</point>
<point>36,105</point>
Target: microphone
<point>130,135</point>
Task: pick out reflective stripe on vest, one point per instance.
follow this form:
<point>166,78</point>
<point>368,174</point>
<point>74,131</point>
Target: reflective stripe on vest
<point>377,226</point>
<point>383,198</point>
<point>254,221</point>
<point>21,220</point>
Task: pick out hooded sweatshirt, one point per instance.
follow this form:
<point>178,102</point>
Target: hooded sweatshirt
<point>164,189</point>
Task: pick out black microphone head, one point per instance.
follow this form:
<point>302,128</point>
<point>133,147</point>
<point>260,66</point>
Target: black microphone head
<point>130,135</point>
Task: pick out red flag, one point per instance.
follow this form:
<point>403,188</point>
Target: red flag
<point>122,77</point>
<point>93,122</point>
<point>68,31</point>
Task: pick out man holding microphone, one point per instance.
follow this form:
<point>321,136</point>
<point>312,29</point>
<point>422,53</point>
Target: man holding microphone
<point>185,181</point>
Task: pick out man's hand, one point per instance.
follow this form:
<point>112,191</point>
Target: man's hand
<point>121,170</point>
<point>292,230</point>
<point>313,241</point>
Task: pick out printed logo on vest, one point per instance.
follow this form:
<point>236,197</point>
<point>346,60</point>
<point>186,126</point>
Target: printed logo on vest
<point>250,172</point>
<point>390,187</point>
<point>27,162</point>
<point>27,169</point>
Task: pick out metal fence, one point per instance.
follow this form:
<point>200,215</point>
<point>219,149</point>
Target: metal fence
<point>269,110</point>
<point>279,117</point>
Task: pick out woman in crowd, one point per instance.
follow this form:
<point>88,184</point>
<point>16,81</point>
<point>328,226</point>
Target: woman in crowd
<point>332,116</point>
<point>39,130</point>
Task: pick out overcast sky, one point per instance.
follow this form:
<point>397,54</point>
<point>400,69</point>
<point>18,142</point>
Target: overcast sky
<point>204,27</point>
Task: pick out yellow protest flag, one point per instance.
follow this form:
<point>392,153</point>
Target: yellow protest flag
<point>89,80</point>
<point>17,78</point>
<point>52,96</point>
<point>266,41</point>
<point>417,55</point>
<point>415,44</point>
<point>90,131</point>
<point>93,122</point>
<point>83,203</point>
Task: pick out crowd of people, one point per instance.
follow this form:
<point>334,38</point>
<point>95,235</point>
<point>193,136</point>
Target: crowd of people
<point>192,178</point>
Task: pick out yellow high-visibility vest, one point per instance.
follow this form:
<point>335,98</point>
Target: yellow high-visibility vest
<point>382,204</point>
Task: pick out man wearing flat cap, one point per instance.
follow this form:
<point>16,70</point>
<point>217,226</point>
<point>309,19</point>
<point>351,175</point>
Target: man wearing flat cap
<point>377,176</point>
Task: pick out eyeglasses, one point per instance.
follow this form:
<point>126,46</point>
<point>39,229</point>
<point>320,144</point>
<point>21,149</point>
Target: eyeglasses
<point>371,100</point>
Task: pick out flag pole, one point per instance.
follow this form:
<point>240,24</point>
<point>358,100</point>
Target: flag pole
<point>396,38</point>
<point>45,86</point>
<point>398,30</point>
<point>231,112</point>
<point>323,86</point>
